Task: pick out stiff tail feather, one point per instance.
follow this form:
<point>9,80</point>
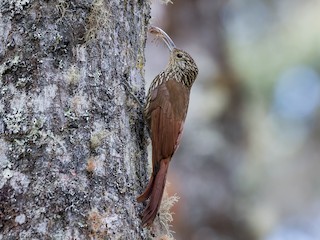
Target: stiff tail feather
<point>154,190</point>
<point>147,192</point>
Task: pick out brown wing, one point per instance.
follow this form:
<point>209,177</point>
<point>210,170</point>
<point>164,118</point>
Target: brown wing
<point>166,116</point>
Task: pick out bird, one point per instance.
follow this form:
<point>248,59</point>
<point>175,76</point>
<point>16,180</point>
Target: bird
<point>165,112</point>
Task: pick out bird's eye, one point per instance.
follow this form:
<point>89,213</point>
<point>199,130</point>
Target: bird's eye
<point>179,55</point>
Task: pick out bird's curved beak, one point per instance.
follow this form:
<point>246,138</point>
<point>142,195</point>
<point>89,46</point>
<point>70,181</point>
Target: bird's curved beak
<point>164,36</point>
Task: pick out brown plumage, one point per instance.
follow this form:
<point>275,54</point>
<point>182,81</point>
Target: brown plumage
<point>165,112</point>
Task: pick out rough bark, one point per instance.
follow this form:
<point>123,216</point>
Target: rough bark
<point>72,144</point>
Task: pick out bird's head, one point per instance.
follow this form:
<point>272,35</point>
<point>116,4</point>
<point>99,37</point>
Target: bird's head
<point>180,63</point>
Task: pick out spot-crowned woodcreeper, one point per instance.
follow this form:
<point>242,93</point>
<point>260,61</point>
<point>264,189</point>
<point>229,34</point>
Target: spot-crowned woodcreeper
<point>165,112</point>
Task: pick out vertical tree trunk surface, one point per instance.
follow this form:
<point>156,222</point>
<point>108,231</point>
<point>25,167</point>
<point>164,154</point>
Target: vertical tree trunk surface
<point>72,142</point>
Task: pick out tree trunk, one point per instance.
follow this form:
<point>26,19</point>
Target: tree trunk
<point>72,142</point>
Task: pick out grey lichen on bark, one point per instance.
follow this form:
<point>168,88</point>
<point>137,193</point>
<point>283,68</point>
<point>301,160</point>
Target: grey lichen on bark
<point>72,140</point>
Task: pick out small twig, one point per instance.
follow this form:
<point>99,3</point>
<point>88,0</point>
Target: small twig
<point>127,87</point>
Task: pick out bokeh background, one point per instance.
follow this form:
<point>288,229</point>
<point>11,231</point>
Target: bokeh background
<point>248,166</point>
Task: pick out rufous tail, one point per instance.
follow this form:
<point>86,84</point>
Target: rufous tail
<point>154,190</point>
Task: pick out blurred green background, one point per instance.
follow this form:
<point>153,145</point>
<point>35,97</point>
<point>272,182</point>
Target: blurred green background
<point>248,164</point>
